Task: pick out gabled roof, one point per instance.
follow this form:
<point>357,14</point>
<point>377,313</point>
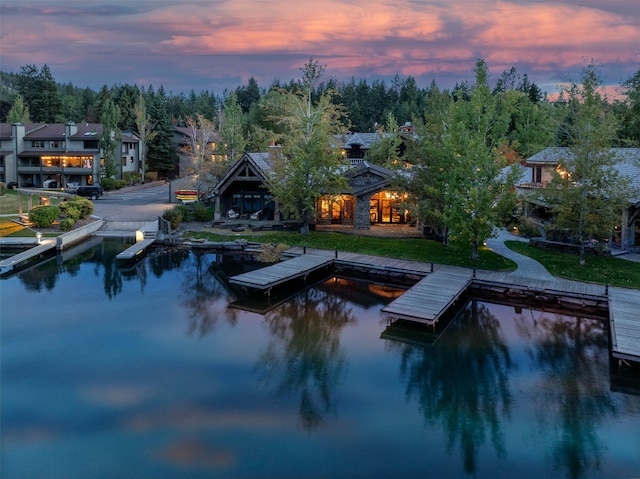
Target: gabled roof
<point>627,163</point>
<point>378,178</point>
<point>361,141</point>
<point>261,164</point>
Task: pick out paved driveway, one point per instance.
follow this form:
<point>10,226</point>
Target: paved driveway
<point>134,204</point>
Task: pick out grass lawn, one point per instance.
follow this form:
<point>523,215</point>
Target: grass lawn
<point>410,248</point>
<point>9,203</point>
<point>598,269</point>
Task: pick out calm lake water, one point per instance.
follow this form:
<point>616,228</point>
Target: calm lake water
<point>151,372</point>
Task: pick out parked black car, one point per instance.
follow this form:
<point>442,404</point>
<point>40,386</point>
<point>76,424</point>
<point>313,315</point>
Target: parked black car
<point>94,192</point>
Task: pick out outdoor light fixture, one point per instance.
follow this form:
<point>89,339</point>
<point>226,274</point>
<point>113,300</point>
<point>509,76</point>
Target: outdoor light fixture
<point>139,235</point>
<point>39,236</point>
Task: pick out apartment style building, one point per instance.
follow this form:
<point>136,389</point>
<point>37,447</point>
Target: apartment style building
<point>54,155</point>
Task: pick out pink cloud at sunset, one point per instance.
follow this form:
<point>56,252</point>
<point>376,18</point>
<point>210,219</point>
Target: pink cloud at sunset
<point>217,44</point>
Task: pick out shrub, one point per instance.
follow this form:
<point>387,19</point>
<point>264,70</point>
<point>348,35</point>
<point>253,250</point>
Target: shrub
<point>85,205</point>
<point>131,178</point>
<point>528,228</point>
<point>202,212</point>
<point>176,215</point>
<point>76,208</point>
<point>43,216</point>
<point>271,253</point>
<point>108,184</point>
<point>151,176</point>
<point>71,211</point>
<point>66,224</point>
<point>3,188</point>
<point>120,184</point>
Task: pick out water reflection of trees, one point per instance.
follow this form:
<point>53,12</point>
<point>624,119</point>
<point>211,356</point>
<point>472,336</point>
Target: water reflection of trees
<point>304,356</point>
<point>572,355</point>
<point>462,382</point>
<point>203,294</point>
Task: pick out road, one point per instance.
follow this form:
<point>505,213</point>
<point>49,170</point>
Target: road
<point>134,204</point>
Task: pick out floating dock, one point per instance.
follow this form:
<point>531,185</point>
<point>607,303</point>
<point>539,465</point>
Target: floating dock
<point>266,278</point>
<point>624,321</point>
<point>27,255</point>
<point>431,297</point>
<point>136,249</point>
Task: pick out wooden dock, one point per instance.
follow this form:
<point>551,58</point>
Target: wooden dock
<point>270,276</point>
<point>27,255</point>
<point>431,297</point>
<point>624,321</point>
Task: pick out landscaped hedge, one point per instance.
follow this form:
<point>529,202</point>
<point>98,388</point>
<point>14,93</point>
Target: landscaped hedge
<point>77,207</point>
<point>176,215</point>
<point>109,184</point>
<point>67,223</point>
<point>43,216</point>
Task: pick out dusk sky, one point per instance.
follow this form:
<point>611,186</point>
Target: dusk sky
<point>217,44</point>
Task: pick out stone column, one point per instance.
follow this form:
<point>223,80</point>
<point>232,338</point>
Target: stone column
<point>362,220</point>
<point>217,214</point>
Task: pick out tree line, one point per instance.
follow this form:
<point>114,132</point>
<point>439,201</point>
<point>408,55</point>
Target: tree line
<point>464,137</point>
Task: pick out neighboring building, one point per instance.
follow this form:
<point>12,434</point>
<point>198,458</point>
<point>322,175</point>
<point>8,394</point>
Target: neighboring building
<point>355,145</point>
<point>539,170</point>
<point>53,155</point>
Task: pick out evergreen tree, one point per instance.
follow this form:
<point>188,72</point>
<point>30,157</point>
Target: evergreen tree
<point>630,111</point>
<point>162,155</point>
<point>40,93</point>
<point>249,95</point>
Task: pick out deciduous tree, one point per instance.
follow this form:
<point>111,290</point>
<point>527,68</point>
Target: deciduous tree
<point>198,152</point>
<point>588,193</point>
<point>475,182</point>
<point>310,165</point>
<point>146,132</point>
<point>110,138</point>
<point>19,112</point>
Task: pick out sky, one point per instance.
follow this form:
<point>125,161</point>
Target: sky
<point>214,45</point>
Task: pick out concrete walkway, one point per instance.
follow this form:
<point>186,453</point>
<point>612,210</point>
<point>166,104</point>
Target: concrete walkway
<point>527,267</point>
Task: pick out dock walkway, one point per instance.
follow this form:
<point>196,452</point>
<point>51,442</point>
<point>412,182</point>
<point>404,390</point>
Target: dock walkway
<point>624,321</point>
<point>24,256</point>
<point>431,297</point>
<point>270,276</point>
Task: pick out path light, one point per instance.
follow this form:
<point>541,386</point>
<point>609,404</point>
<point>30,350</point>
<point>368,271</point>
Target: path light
<point>39,237</point>
<point>139,235</point>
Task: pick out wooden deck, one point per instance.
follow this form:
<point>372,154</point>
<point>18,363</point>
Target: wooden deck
<point>624,321</point>
<point>428,299</point>
<point>555,286</point>
<point>24,256</point>
<point>270,276</point>
<point>357,260</point>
